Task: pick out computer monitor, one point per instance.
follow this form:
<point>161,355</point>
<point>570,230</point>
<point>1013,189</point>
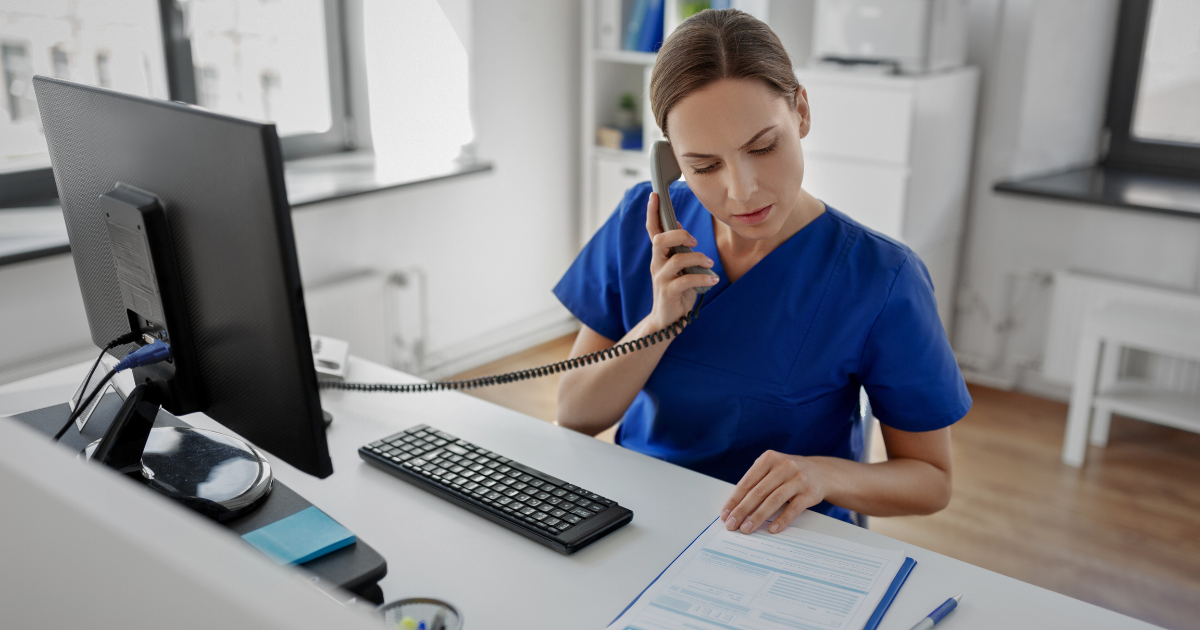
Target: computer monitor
<point>240,344</point>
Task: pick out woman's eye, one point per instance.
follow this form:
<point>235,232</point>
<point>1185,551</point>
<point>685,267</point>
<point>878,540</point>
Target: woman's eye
<point>767,149</point>
<point>700,170</point>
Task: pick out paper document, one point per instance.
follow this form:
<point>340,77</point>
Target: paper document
<point>793,580</point>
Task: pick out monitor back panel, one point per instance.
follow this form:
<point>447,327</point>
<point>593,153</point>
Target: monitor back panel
<point>220,180</point>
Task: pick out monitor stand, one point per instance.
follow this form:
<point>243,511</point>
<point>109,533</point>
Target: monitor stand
<point>215,474</point>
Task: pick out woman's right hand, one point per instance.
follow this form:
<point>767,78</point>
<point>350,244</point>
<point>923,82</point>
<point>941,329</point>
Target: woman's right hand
<point>674,291</point>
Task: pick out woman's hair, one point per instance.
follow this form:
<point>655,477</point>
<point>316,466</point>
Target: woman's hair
<point>713,45</point>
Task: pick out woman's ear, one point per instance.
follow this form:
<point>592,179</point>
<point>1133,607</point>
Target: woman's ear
<point>803,111</point>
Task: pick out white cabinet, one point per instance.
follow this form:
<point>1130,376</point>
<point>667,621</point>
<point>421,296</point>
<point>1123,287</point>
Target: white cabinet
<point>614,174</point>
<point>894,153</point>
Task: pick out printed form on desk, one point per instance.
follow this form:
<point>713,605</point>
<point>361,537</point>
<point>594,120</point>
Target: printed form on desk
<point>795,579</point>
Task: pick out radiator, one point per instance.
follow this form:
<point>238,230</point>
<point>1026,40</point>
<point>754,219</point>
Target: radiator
<point>381,315</point>
<point>1077,294</point>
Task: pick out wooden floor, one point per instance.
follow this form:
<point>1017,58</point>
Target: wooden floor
<point>1122,533</point>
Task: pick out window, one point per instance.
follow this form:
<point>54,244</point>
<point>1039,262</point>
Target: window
<point>248,60</point>
<point>252,58</point>
<point>115,43</point>
<point>18,86</point>
<point>277,60</point>
<point>1154,95</point>
<point>208,89</point>
<point>61,63</point>
<point>103,70</point>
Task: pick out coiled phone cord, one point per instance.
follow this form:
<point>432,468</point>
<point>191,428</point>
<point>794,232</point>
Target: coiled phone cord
<point>670,331</point>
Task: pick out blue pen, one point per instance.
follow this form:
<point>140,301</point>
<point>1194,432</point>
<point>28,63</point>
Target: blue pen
<point>938,614</point>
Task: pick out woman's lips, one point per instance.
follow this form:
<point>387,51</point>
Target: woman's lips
<point>758,216</point>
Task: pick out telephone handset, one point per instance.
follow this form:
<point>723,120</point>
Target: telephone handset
<point>664,169</point>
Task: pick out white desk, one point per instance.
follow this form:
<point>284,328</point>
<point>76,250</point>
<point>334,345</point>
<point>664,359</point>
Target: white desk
<point>500,580</point>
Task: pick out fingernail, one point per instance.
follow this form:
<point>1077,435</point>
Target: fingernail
<point>731,523</point>
<point>708,261</point>
<point>747,527</point>
<point>724,514</point>
<point>713,279</point>
<point>774,528</point>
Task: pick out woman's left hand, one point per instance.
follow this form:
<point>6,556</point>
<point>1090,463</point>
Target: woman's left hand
<point>775,479</point>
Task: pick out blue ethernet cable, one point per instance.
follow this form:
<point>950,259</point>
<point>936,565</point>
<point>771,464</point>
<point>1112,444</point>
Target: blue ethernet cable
<point>156,352</point>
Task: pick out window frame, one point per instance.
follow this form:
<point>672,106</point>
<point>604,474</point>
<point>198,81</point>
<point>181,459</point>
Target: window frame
<point>1124,149</point>
<point>36,186</point>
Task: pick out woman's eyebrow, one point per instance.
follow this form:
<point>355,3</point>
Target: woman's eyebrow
<point>748,143</point>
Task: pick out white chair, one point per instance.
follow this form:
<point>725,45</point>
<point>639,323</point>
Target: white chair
<point>1172,331</point>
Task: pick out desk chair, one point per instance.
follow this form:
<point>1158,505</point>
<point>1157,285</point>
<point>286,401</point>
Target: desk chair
<point>866,421</point>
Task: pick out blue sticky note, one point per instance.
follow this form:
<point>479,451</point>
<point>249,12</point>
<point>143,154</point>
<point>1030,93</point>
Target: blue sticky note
<point>303,536</point>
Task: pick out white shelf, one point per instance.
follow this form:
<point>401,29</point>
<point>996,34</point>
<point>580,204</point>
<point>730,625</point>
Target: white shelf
<point>1173,409</point>
<point>625,56</point>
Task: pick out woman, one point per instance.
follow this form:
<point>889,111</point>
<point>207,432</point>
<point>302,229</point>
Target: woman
<point>808,307</point>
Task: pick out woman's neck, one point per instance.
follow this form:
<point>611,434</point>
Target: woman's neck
<point>740,254</point>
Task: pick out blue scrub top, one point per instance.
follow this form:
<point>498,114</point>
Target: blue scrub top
<point>775,360</point>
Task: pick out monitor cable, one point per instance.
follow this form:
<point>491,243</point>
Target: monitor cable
<point>634,345</point>
<point>146,355</point>
<point>119,341</point>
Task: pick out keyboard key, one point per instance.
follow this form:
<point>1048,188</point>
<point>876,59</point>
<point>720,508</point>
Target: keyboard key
<point>572,497</point>
<point>533,503</point>
<point>519,485</point>
<point>562,527</point>
<point>542,495</point>
<point>536,483</point>
<point>540,515</point>
<point>571,518</point>
<point>492,496</point>
<point>489,483</point>
<point>558,492</point>
<point>557,512</point>
<point>503,500</point>
<point>527,510</point>
<point>580,512</point>
<point>526,478</point>
<point>511,492</point>
<point>522,497</point>
<point>554,500</point>
<point>504,469</point>
<point>551,521</point>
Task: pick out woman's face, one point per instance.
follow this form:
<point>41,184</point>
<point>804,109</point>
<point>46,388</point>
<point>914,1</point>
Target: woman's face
<point>738,143</point>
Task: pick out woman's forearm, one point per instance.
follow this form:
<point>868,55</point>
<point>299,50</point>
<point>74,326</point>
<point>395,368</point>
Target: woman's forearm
<point>594,397</point>
<point>892,488</point>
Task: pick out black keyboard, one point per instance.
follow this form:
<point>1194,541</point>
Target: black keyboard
<point>551,511</point>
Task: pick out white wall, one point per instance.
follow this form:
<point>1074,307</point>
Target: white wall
<point>491,245</point>
<point>1046,65</point>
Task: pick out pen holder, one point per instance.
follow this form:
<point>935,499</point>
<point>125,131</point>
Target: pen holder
<point>420,610</point>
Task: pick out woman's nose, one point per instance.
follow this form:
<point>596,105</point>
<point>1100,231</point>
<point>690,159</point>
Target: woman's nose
<point>742,184</point>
